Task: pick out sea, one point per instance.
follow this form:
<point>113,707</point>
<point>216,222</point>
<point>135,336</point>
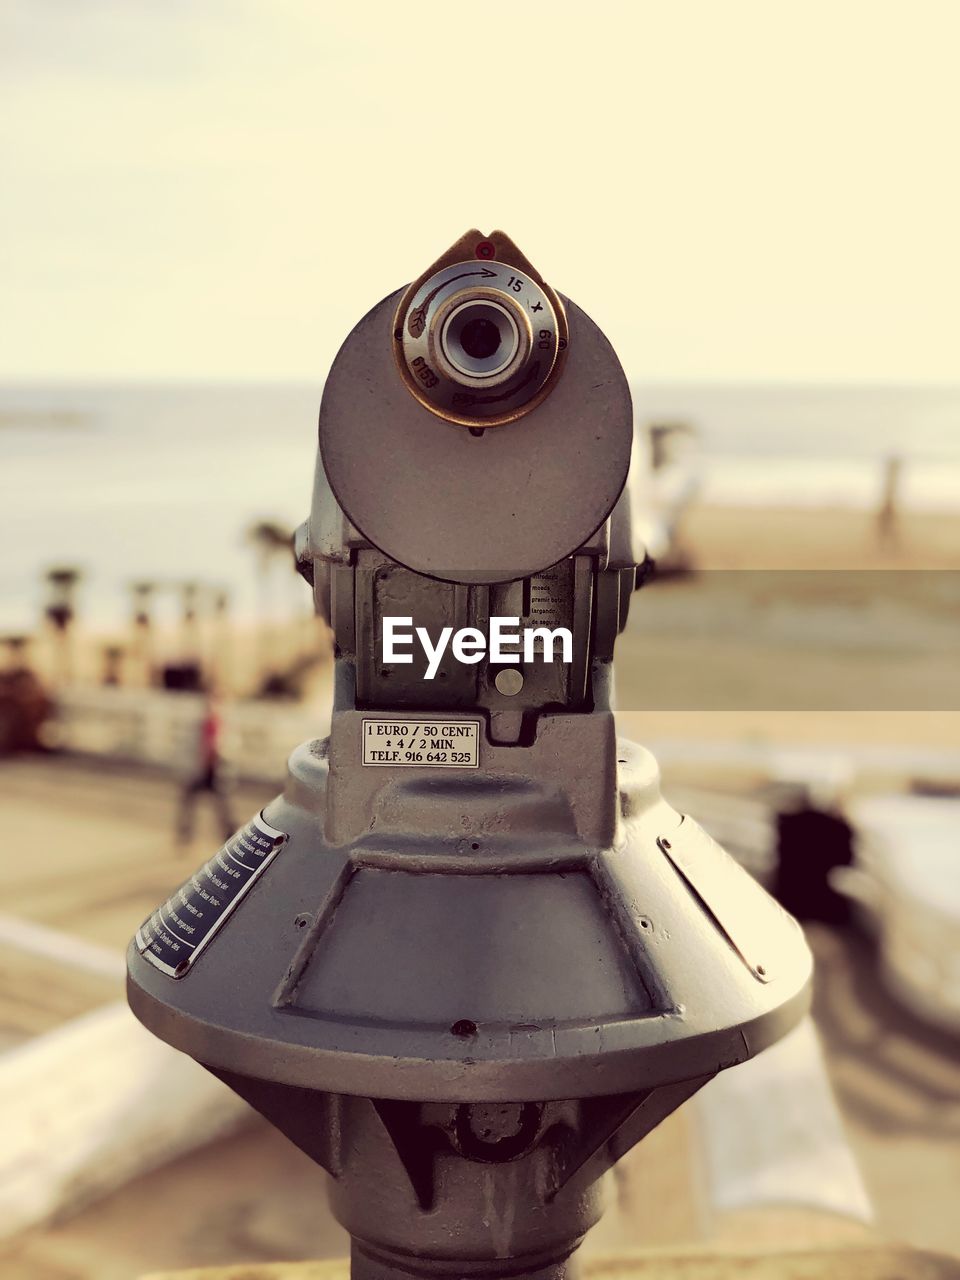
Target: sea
<point>163,482</point>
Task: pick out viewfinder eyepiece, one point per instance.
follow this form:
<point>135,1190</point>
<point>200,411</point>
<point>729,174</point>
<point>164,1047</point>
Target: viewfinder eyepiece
<point>480,341</point>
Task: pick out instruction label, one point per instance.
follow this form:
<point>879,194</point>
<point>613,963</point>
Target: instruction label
<point>176,933</point>
<point>438,744</point>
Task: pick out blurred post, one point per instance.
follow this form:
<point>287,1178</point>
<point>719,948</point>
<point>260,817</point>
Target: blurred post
<point>141,648</point>
<point>268,539</point>
<point>221,661</point>
<point>113,655</point>
<point>189,637</point>
<point>60,612</point>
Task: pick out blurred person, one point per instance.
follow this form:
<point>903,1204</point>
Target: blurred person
<point>813,839</point>
<point>206,774</point>
<point>888,510</point>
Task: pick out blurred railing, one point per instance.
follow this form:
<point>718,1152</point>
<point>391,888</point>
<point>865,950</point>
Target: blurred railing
<point>160,729</point>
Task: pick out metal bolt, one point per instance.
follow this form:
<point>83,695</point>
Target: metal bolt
<point>509,681</point>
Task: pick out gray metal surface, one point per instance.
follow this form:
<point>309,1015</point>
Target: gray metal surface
<point>491,507</point>
<point>507,936</point>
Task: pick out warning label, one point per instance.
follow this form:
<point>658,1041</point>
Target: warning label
<point>176,933</point>
<point>443,744</point>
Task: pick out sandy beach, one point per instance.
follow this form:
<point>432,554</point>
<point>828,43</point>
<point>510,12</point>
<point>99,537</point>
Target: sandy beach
<point>798,626</point>
<point>728,537</point>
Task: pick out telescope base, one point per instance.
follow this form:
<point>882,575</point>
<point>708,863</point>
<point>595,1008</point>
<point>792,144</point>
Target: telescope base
<point>366,1264</point>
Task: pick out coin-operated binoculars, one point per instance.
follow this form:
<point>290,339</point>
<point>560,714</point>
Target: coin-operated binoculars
<point>470,956</point>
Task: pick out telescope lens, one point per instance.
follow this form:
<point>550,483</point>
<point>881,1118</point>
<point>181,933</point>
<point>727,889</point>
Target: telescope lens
<point>480,339</point>
<point>479,343</point>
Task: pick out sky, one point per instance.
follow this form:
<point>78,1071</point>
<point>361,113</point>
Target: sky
<point>753,190</point>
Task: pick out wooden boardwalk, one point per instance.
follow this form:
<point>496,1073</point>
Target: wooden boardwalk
<point>90,848</point>
<point>38,993</point>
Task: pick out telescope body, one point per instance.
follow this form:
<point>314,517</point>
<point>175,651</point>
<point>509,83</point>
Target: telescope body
<point>470,955</point>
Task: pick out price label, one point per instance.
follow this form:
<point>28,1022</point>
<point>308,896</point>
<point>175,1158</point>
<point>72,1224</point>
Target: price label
<point>422,744</point>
